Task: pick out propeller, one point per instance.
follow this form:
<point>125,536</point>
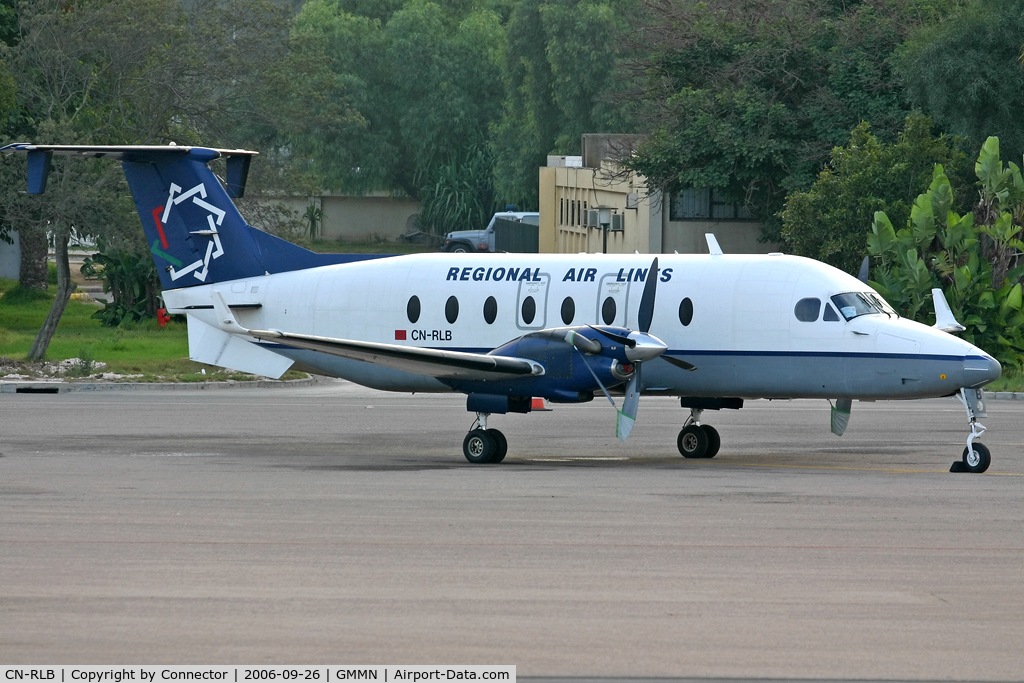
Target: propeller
<point>640,346</point>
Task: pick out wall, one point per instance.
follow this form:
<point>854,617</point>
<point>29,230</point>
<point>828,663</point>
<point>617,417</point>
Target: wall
<point>10,258</point>
<point>357,219</point>
<point>735,237</point>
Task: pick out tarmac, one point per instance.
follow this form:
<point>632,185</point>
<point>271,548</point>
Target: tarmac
<point>330,523</point>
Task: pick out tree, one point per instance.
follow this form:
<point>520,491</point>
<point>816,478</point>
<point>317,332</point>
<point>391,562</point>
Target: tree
<point>558,69</point>
<point>829,222</point>
<point>964,71</point>
<point>126,71</point>
<point>974,257</point>
<point>406,93</point>
<point>750,97</point>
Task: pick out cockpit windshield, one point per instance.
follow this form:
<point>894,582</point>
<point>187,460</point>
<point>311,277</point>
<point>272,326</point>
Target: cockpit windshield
<point>853,304</point>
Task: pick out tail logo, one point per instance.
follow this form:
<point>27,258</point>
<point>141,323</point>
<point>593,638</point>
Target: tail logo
<point>214,218</point>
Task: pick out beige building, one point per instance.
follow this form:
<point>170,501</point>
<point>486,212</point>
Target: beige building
<point>573,190</point>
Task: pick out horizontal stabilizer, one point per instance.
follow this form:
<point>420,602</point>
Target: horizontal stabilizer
<point>431,362</point>
<point>207,344</point>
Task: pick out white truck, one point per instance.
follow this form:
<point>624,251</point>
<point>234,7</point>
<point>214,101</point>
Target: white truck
<point>476,241</point>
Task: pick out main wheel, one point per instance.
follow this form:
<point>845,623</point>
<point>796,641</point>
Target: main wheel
<point>502,445</point>
<point>459,248</point>
<point>978,459</point>
<point>479,447</point>
<point>714,441</point>
<point>692,442</point>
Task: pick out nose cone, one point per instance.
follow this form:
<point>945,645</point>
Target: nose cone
<point>648,347</point>
<point>981,369</point>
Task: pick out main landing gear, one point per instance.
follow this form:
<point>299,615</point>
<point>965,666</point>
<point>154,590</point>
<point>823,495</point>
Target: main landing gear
<point>976,457</point>
<point>483,445</point>
<point>697,440</point>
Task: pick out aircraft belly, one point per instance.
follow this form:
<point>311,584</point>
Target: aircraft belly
<point>810,375</point>
<point>360,372</point>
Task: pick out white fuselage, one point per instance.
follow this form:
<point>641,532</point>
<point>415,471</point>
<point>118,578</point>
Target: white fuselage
<point>743,333</point>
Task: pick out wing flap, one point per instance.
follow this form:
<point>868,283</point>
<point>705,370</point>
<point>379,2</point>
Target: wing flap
<point>432,362</point>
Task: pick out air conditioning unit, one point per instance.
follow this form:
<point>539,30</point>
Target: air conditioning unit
<point>618,222</point>
<point>591,219</point>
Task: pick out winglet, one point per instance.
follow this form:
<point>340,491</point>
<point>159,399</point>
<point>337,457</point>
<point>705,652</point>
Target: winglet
<point>944,319</point>
<point>713,247</point>
<point>225,318</point>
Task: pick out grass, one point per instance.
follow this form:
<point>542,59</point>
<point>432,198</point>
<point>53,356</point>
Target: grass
<point>159,354</point>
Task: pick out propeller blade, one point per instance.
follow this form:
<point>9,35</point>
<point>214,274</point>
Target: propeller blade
<point>646,313</point>
<point>625,341</point>
<point>680,363</point>
<point>630,404</point>
<point>594,375</point>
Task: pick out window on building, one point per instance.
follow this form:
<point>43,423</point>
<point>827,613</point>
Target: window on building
<point>704,204</point>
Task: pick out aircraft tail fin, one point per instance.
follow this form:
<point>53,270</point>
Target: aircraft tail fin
<point>195,233</point>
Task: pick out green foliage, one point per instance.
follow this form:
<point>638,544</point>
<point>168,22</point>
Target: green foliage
<point>964,255</point>
<point>132,281</point>
<point>313,218</point>
<point>829,221</point>
<point>84,366</point>
<point>392,97</point>
<point>964,71</point>
<point>749,98</point>
<point>458,195</point>
<point>558,69</point>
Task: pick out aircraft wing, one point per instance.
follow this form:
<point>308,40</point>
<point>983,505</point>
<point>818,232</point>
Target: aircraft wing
<point>431,362</point>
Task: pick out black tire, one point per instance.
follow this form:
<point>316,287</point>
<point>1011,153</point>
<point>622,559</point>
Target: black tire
<point>980,460</point>
<point>692,442</point>
<point>502,445</point>
<point>479,447</point>
<point>714,441</point>
<point>459,248</point>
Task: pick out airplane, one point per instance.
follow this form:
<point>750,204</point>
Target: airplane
<point>712,329</point>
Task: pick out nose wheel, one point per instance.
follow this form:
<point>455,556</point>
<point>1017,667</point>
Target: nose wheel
<point>697,440</point>
<point>483,445</point>
<point>976,457</point>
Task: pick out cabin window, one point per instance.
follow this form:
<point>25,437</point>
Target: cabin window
<point>830,314</point>
<point>413,309</point>
<point>608,311</point>
<point>568,310</point>
<point>451,310</point>
<point>807,309</point>
<point>685,311</point>
<point>529,310</point>
<point>490,310</point>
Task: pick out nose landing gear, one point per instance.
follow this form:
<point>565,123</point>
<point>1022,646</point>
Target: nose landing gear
<point>697,440</point>
<point>976,457</point>
<point>483,445</point>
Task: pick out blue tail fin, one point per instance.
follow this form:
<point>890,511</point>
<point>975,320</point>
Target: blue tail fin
<point>193,229</point>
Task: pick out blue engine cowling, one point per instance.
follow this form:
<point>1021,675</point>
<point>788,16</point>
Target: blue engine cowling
<point>566,378</point>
